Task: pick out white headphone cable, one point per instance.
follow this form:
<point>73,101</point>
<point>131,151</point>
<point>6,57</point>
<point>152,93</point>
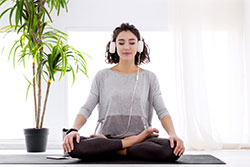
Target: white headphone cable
<point>131,107</point>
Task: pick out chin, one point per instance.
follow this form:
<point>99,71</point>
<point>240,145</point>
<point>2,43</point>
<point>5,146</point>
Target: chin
<point>127,58</point>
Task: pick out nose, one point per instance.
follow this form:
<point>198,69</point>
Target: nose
<point>126,46</point>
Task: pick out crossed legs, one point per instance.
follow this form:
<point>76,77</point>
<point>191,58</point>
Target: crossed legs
<point>142,146</point>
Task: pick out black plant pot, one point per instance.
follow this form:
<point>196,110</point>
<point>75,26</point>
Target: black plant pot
<point>36,139</point>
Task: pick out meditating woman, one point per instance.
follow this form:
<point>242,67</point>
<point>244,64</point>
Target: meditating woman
<point>126,96</point>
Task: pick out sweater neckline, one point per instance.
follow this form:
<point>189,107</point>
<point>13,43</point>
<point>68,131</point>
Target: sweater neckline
<point>119,73</point>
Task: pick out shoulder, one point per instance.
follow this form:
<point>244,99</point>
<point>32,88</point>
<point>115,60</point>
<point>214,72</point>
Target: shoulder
<point>150,74</point>
<point>151,78</point>
<point>101,73</point>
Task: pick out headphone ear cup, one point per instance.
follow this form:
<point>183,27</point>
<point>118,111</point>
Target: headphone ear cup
<point>112,47</point>
<point>140,46</point>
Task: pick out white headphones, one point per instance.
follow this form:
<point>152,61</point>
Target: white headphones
<point>140,46</point>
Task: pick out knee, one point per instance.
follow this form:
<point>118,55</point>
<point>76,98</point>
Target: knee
<point>80,149</point>
<point>87,147</point>
<point>76,151</point>
<point>168,153</point>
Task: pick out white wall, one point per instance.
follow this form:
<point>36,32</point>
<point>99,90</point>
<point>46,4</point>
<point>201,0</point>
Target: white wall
<point>107,14</point>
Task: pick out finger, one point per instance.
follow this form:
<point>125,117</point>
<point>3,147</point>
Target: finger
<point>171,142</point>
<point>63,145</point>
<point>177,149</point>
<point>180,148</point>
<point>178,152</point>
<point>78,138</point>
<point>67,145</point>
<point>64,149</point>
<point>181,152</point>
<point>154,135</point>
<point>71,143</point>
<point>155,130</point>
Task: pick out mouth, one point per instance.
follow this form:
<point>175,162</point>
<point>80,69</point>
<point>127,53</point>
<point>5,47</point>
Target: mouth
<point>126,53</point>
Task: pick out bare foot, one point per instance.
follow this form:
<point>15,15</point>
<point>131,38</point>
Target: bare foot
<point>150,132</point>
<point>98,135</point>
<point>132,140</point>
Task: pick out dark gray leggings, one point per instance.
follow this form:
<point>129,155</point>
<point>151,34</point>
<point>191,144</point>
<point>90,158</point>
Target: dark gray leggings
<point>153,149</point>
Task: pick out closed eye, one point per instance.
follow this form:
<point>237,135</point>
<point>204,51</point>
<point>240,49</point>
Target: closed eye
<point>132,43</point>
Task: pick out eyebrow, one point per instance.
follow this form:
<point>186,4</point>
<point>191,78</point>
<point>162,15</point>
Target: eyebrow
<point>131,39</point>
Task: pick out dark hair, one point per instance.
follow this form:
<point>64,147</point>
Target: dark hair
<point>114,58</point>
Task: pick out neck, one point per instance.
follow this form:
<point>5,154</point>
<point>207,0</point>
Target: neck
<point>125,67</point>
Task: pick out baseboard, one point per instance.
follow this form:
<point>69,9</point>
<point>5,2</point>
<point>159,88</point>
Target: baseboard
<point>20,144</point>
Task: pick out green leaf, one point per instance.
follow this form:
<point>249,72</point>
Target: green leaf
<point>17,13</point>
<point>73,74</point>
<point>47,13</point>
<point>4,12</point>
<point>6,28</point>
<point>37,50</point>
<point>21,28</point>
<point>2,2</point>
<point>33,14</point>
<point>12,49</point>
<point>66,6</point>
<point>14,55</point>
<point>11,12</point>
<point>58,10</point>
<point>30,84</point>
<point>21,10</point>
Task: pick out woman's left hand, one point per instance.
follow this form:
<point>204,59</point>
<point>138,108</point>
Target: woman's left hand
<point>179,149</point>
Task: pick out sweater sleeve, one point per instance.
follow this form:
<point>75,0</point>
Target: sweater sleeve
<point>93,98</point>
<point>157,99</point>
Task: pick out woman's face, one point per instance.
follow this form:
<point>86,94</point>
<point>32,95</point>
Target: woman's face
<point>126,45</point>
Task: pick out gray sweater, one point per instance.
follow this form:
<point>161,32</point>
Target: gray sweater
<point>112,91</point>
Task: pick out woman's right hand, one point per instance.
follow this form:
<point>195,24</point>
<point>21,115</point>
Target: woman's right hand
<point>68,144</point>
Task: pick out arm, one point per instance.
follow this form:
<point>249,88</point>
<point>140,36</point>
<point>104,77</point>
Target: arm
<point>80,120</point>
<point>168,125</point>
<point>164,116</point>
<point>84,113</point>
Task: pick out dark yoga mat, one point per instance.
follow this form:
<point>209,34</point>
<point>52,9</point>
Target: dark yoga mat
<point>41,159</point>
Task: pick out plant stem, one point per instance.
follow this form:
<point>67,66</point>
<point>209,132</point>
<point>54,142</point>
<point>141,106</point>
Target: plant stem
<point>34,71</point>
<point>40,68</point>
<point>34,90</point>
<point>45,102</point>
<point>39,95</point>
<point>34,36</point>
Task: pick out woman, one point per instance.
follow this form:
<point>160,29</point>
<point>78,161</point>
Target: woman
<point>126,96</point>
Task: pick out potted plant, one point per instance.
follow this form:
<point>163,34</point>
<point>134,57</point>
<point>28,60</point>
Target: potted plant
<point>46,47</point>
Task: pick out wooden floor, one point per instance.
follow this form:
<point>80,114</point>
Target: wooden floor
<point>233,158</point>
